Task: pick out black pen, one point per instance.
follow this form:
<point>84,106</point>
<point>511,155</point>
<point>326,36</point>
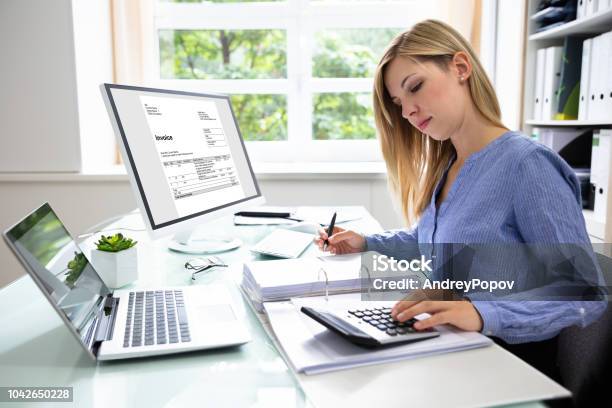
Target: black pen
<point>329,231</point>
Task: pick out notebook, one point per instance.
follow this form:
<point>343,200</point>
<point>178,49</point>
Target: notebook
<point>312,349</point>
<point>284,243</point>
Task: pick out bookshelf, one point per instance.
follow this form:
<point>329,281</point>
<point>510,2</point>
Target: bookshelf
<point>600,230</point>
<point>595,24</point>
<point>569,123</point>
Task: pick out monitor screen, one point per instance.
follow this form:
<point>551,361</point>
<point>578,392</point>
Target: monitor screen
<point>60,269</point>
<point>185,151</point>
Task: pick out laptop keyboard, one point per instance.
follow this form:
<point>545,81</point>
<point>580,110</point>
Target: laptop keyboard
<point>156,317</point>
<point>380,317</point>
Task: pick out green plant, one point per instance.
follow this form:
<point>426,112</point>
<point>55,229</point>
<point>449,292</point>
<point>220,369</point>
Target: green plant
<point>75,267</point>
<point>115,243</point>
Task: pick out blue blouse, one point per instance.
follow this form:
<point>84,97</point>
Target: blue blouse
<point>514,190</point>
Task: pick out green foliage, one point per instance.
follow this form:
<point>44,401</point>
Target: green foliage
<point>115,243</point>
<point>350,52</point>
<point>223,54</point>
<point>75,267</point>
<point>262,54</point>
<point>335,60</point>
<point>343,116</point>
<point>261,117</point>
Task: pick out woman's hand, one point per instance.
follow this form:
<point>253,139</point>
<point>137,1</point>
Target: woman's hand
<point>460,313</point>
<point>341,241</point>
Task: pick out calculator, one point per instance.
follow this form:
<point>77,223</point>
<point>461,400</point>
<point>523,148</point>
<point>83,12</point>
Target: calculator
<point>369,326</point>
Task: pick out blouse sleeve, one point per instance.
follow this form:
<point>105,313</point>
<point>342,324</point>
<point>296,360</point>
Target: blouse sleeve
<point>547,209</point>
<point>547,200</point>
<point>399,244</point>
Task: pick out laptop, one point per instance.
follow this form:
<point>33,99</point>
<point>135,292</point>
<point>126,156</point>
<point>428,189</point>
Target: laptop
<point>123,323</point>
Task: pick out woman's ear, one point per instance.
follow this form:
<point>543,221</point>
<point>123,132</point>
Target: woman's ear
<point>461,66</point>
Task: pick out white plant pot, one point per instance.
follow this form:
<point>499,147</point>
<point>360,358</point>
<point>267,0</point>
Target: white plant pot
<point>116,269</point>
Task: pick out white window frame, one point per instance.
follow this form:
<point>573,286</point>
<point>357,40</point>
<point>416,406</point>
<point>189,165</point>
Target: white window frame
<point>300,19</point>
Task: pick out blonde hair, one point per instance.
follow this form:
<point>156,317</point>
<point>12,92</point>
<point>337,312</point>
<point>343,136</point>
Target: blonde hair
<point>415,162</point>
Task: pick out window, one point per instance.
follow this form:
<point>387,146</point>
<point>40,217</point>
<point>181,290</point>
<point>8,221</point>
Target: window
<point>299,72</point>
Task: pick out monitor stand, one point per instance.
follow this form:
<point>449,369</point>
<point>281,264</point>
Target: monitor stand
<point>183,242</point>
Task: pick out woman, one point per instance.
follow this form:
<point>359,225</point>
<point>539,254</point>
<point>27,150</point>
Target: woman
<point>466,178</point>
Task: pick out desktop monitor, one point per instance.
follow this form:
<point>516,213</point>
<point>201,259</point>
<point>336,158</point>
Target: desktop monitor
<point>186,160</point>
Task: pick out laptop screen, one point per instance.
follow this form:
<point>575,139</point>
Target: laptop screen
<point>60,269</point>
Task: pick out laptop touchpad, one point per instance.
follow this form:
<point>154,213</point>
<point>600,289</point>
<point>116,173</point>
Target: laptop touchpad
<point>215,313</point>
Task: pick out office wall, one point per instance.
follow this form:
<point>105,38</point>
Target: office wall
<point>94,66</point>
<point>509,60</point>
<point>38,107</point>
<point>83,201</point>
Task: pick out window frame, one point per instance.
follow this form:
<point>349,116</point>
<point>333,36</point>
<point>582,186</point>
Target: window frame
<point>300,19</point>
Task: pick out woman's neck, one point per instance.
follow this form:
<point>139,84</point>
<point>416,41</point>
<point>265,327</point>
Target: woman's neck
<point>474,133</point>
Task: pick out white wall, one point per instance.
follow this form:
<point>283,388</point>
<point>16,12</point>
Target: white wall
<point>509,60</point>
<point>94,65</point>
<point>38,107</point>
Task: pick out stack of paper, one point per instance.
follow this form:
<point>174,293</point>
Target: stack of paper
<point>312,349</point>
<point>265,281</point>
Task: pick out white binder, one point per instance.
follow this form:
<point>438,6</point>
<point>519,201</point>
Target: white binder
<point>595,164</point>
<point>601,52</point>
<point>601,159</point>
<point>607,66</point>
<point>539,84</point>
<point>596,74</point>
<point>581,9</point>
<point>585,74</point>
<point>592,7</point>
<point>552,77</point>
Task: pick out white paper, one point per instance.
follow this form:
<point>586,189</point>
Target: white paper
<point>196,157</point>
<point>313,349</point>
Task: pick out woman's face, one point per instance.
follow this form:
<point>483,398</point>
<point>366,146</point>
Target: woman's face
<point>431,99</point>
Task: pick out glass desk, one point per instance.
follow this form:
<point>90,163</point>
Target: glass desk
<point>36,349</point>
